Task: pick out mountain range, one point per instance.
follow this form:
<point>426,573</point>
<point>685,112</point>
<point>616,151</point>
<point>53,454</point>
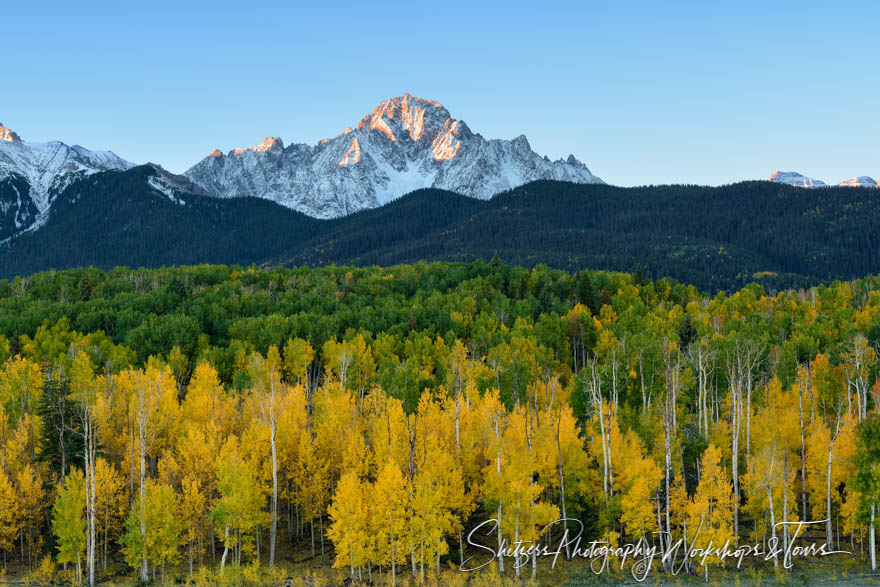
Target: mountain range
<point>711,237</point>
<point>404,144</point>
<point>802,181</point>
<point>344,201</point>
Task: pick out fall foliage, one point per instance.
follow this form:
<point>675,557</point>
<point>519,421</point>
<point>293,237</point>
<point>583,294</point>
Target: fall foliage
<point>369,418</point>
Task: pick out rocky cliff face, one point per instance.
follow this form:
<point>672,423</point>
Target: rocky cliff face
<point>405,143</point>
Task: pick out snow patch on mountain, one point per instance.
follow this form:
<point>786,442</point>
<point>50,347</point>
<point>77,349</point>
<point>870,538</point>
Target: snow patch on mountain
<point>796,179</point>
<point>863,181</point>
<point>802,181</point>
<point>48,168</point>
<point>404,144</point>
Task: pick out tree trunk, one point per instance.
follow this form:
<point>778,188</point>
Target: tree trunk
<point>225,547</point>
<point>274,530</point>
<point>871,544</point>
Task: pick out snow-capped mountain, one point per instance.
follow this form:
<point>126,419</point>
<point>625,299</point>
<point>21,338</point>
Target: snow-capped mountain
<point>32,174</point>
<point>406,143</point>
<point>802,181</point>
<point>863,181</point>
<point>796,179</point>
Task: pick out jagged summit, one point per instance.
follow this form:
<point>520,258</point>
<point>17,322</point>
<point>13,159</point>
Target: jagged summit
<point>404,143</point>
<point>7,134</point>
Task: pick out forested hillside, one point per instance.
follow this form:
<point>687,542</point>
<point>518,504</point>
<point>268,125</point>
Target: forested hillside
<point>715,238</point>
<point>117,218</point>
<point>340,423</point>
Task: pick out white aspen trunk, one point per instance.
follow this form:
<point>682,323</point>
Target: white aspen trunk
<point>871,544</point>
<point>273,532</point>
<point>785,503</point>
<point>828,529</point>
<point>772,522</point>
<point>145,572</point>
<point>735,412</point>
<point>225,547</point>
<point>561,481</point>
<point>803,453</point>
<point>498,468</point>
<point>90,495</point>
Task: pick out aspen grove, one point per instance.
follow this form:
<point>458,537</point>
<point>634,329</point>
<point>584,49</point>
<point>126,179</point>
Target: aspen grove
<point>197,421</point>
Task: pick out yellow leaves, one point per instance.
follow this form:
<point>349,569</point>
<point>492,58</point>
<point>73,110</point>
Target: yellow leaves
<point>390,497</point>
<point>637,478</point>
<point>712,508</point>
<point>192,507</point>
<point>298,355</point>
<point>21,385</point>
<point>111,499</point>
<point>311,478</point>
<point>350,530</point>
<point>152,402</point>
<point>68,522</point>
<point>387,426</point>
<point>510,476</point>
<point>242,495</point>
<point>29,493</point>
<point>207,404</point>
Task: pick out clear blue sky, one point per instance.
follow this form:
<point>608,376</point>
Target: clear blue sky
<point>642,92</point>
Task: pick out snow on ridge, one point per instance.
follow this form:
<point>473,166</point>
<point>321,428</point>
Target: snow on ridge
<point>802,181</point>
<point>48,168</point>
<point>404,144</point>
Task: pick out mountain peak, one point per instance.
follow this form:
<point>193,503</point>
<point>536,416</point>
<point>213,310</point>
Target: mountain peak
<point>404,144</point>
<point>863,181</point>
<point>796,179</point>
<point>416,117</point>
<point>7,134</point>
<point>267,144</point>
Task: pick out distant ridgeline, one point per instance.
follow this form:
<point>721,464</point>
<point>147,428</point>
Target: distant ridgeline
<point>715,238</point>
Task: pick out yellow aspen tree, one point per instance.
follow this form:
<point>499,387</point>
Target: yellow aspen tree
<point>68,522</point>
<point>312,480</point>
<point>390,517</point>
<point>268,393</point>
<point>239,509</point>
<point>21,385</point>
<point>194,454</point>
<point>638,479</point>
<point>526,513</point>
<point>84,391</point>
<point>208,405</point>
<point>30,506</point>
<point>298,357</point>
<point>771,468</point>
<point>495,473</point>
<point>386,425</point>
<point>436,486</point>
<point>111,502</point>
<point>153,409</point>
<point>192,509</point>
<point>294,425</point>
<point>10,519</point>
<point>711,511</point>
<point>829,452</point>
<point>350,523</point>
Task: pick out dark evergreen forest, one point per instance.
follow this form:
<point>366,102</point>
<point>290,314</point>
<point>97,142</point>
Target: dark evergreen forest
<point>712,237</point>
